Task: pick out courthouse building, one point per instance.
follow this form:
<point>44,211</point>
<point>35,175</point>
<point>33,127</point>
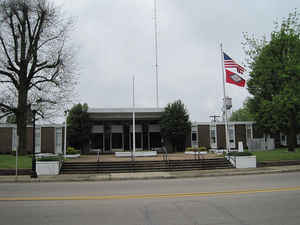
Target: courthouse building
<point>112,130</point>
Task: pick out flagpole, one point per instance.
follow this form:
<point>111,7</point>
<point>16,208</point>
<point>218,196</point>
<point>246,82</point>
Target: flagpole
<point>156,51</point>
<point>224,101</point>
<point>133,120</point>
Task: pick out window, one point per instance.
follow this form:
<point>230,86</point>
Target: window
<point>155,140</point>
<point>283,139</point>
<point>249,134</point>
<point>58,140</point>
<point>213,136</point>
<point>37,140</point>
<point>298,139</point>
<point>97,141</point>
<point>194,136</point>
<point>231,133</point>
<point>117,140</point>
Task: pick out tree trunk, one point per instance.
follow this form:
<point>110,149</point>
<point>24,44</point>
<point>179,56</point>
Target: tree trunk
<point>292,136</point>
<point>22,121</point>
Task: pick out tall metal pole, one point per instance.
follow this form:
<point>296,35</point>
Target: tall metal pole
<point>34,174</point>
<point>156,50</point>
<point>65,136</point>
<point>224,100</point>
<point>133,119</point>
<point>17,157</point>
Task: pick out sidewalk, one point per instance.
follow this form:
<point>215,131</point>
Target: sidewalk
<point>150,175</point>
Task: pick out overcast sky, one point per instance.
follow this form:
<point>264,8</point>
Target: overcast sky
<point>116,41</point>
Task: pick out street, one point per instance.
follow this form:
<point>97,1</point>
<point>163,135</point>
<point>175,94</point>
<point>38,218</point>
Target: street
<point>254,199</point>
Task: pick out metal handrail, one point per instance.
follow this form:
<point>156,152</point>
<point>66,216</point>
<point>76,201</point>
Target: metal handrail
<point>165,153</point>
<point>233,159</point>
<point>98,156</point>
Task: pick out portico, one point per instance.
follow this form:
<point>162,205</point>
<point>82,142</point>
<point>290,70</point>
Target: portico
<point>112,129</point>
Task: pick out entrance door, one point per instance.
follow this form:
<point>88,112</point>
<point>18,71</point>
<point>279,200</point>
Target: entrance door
<point>107,143</point>
<point>97,141</point>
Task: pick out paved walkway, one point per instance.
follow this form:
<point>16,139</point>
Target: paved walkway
<point>150,175</point>
<point>112,158</point>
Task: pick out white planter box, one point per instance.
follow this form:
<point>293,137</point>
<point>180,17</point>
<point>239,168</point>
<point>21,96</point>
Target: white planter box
<point>73,156</point>
<point>47,167</point>
<point>243,161</point>
<point>195,153</point>
<point>137,154</point>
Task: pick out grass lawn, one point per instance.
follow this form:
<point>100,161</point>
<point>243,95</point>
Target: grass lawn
<point>277,154</point>
<point>9,162</point>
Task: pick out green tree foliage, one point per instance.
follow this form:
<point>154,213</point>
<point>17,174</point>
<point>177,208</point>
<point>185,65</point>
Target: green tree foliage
<point>175,125</point>
<point>275,79</point>
<point>11,119</point>
<point>242,114</point>
<point>79,127</point>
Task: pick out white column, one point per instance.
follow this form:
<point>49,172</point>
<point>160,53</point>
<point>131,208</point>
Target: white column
<point>133,120</point>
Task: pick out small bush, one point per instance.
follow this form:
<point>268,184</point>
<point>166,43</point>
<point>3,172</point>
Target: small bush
<point>72,151</point>
<point>49,158</point>
<point>196,149</point>
<point>239,154</point>
<point>203,149</point>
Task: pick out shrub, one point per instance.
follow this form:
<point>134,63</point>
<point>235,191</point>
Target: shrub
<point>239,154</point>
<point>49,158</point>
<point>72,151</point>
<point>203,149</point>
<point>197,149</point>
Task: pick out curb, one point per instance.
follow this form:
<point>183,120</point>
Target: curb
<point>147,176</point>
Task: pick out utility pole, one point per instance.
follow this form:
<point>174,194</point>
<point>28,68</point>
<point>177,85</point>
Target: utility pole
<point>214,117</point>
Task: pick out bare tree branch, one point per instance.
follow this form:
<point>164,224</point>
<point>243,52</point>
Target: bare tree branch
<point>15,37</point>
<point>5,114</point>
<point>7,55</point>
<point>35,61</point>
<point>15,82</point>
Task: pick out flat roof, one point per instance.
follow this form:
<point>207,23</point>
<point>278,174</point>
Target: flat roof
<point>125,110</point>
<point>124,113</point>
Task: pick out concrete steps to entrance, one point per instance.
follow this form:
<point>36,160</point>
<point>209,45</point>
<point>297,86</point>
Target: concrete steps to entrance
<point>143,166</point>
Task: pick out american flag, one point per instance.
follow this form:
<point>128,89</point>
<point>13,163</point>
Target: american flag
<point>230,63</point>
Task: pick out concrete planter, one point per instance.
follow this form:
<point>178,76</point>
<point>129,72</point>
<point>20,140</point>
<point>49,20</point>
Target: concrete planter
<point>195,153</point>
<point>137,154</point>
<point>47,167</point>
<point>243,161</point>
<point>73,156</point>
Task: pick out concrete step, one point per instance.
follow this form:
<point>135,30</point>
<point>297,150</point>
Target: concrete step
<point>145,170</point>
<point>144,166</point>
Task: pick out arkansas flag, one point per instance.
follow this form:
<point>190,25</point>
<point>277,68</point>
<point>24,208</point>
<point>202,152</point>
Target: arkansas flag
<point>233,78</point>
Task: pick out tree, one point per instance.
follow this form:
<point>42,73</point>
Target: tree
<point>35,60</point>
<point>275,79</point>
<point>11,119</point>
<point>175,124</point>
<point>79,127</point>
<point>242,114</point>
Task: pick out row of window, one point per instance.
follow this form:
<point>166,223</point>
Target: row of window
<point>283,139</point>
<point>58,139</point>
<point>213,135</point>
<point>121,141</point>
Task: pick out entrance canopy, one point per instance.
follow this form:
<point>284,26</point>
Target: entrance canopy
<point>124,113</point>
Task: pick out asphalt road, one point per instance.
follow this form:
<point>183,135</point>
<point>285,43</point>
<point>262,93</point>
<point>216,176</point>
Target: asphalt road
<point>255,199</point>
